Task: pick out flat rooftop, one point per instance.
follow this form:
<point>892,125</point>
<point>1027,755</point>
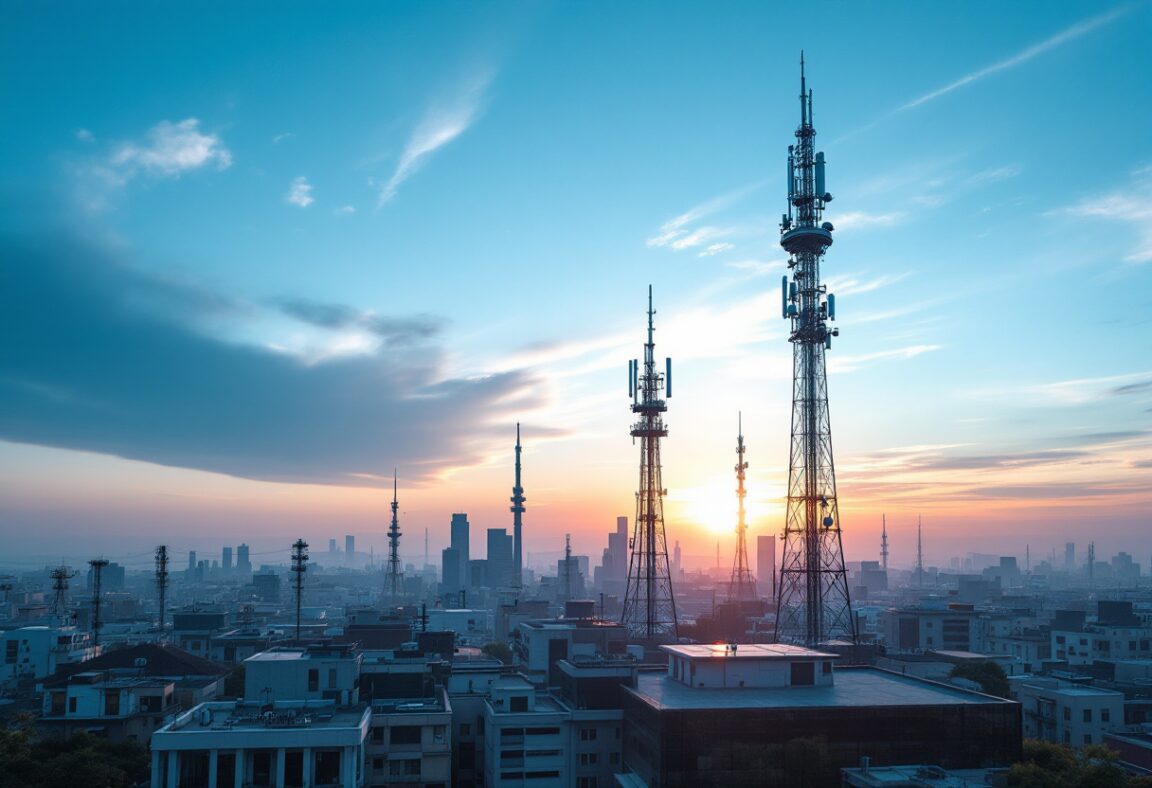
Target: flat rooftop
<point>853,687</point>
<point>756,651</point>
<point>220,716</point>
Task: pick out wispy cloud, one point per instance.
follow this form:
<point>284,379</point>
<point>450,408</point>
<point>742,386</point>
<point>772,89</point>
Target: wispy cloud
<point>1132,206</point>
<point>170,150</point>
<point>678,234</point>
<point>1079,391</point>
<point>852,284</point>
<point>1063,37</point>
<point>716,248</point>
<point>757,267</point>
<point>855,220</point>
<point>300,193</point>
<point>443,122</point>
<point>853,363</point>
<point>281,137</point>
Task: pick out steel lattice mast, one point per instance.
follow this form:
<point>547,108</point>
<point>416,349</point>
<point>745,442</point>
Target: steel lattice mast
<point>649,607</point>
<point>742,587</point>
<point>812,599</point>
<point>517,521</point>
<point>395,574</point>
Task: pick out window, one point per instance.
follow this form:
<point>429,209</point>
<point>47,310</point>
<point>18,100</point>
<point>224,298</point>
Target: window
<point>11,649</point>
<point>465,729</point>
<point>1105,715</point>
<point>587,734</point>
<point>587,782</point>
<point>328,767</point>
<point>438,734</point>
<point>588,759</point>
<point>542,731</point>
<point>827,669</point>
<point>1060,639</point>
<point>405,734</point>
<point>377,764</point>
<point>1068,713</point>
<point>1087,715</point>
<point>331,678</point>
<point>518,703</point>
<point>57,703</point>
<point>409,767</point>
<point>803,674</point>
<point>72,705</point>
<point>377,735</point>
<point>313,679</point>
<point>1087,738</point>
<point>614,758</point>
<point>150,703</point>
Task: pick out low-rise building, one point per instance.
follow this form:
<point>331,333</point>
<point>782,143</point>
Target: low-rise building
<point>241,745</point>
<point>1064,713</point>
<point>39,651</point>
<point>103,703</point>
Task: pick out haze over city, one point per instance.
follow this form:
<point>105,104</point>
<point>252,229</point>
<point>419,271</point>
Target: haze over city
<point>251,265</point>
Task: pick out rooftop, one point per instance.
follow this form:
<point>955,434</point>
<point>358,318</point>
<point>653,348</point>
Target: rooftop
<point>228,715</point>
<point>757,651</point>
<point>854,687</point>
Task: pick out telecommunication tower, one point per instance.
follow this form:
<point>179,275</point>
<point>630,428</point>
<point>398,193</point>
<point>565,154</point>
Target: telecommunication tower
<point>812,600</point>
<point>97,565</point>
<point>517,521</point>
<point>162,580</point>
<point>649,607</point>
<point>395,574</point>
<point>742,588</point>
<point>884,541</point>
<point>60,577</point>
<point>919,552</point>
<point>299,567</point>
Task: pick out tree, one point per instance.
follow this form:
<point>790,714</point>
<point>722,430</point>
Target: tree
<point>987,673</point>
<point>55,762</point>
<point>498,651</point>
<point>1047,765</point>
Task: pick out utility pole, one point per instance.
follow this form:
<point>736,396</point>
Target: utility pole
<point>162,582</point>
<point>97,565</point>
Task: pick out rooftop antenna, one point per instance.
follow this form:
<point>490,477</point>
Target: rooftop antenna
<point>884,541</point>
<point>97,565</point>
<point>395,572</point>
<point>649,606</point>
<point>162,582</point>
<point>742,587</point>
<point>812,602</point>
<point>60,577</point>
<point>299,566</point>
<point>518,521</point>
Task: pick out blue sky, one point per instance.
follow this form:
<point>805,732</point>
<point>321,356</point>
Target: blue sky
<point>258,256</point>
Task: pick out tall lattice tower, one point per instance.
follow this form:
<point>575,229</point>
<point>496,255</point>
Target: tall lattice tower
<point>517,521</point>
<point>812,598</point>
<point>742,587</point>
<point>97,565</point>
<point>299,567</point>
<point>649,607</point>
<point>162,582</point>
<point>60,576</point>
<point>395,573</point>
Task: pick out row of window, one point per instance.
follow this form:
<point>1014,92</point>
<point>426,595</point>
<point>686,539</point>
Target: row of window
<point>1105,714</point>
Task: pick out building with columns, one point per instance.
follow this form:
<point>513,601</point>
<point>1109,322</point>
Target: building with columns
<point>237,743</point>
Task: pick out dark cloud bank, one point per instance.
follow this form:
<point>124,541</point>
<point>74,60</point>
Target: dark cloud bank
<point>98,356</point>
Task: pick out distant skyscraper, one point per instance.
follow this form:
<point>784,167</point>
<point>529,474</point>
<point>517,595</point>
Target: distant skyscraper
<point>1070,556</point>
<point>226,559</point>
<point>459,542</point>
<point>766,564</point>
<point>500,550</point>
<point>613,574</point>
<point>332,547</point>
<point>242,562</point>
<point>349,548</point>
<point>451,578</point>
<point>191,560</point>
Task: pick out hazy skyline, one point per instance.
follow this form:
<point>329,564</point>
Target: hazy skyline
<point>252,262</point>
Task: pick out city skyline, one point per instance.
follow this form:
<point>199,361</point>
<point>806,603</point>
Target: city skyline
<point>243,293</point>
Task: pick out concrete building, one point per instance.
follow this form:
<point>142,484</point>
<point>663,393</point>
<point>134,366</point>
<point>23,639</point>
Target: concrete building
<point>500,554</point>
<point>526,736</point>
<point>1065,713</point>
<point>542,644</point>
<point>39,651</point>
<point>239,744</point>
<point>955,628</point>
<point>755,713</point>
<point>410,741</point>
<point>115,707</point>
<point>328,672</point>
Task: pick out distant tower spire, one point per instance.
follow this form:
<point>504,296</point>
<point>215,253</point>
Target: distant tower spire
<point>97,565</point>
<point>162,581</point>
<point>299,567</point>
<point>884,541</point>
<point>919,552</point>
<point>812,602</point>
<point>742,587</point>
<point>395,572</point>
<point>60,577</point>
<point>518,521</point>
<point>649,606</point>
